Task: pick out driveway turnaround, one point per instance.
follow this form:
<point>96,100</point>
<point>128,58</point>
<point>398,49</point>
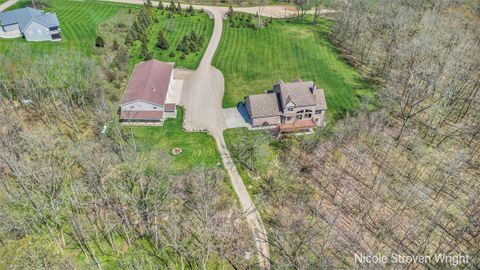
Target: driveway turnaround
<point>202,96</point>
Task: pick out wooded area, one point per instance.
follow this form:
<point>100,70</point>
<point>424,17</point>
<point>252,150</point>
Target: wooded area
<point>72,196</point>
<point>402,179</point>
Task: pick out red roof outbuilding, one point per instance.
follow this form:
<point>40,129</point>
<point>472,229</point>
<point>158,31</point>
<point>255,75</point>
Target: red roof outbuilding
<point>149,82</point>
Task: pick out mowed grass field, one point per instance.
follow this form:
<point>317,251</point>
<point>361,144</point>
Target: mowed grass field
<point>198,149</point>
<point>78,20</point>
<point>175,29</point>
<point>252,60</point>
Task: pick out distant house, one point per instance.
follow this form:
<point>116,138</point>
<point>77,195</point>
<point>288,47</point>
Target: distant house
<point>143,102</point>
<point>288,107</point>
<point>33,24</point>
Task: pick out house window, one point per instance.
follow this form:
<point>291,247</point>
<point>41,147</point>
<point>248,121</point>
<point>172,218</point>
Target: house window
<point>290,108</point>
<point>132,107</point>
<point>308,113</point>
<point>300,116</point>
<point>288,118</point>
<point>318,112</point>
<point>154,107</point>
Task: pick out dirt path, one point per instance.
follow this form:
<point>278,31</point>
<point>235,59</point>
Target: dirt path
<point>202,96</point>
<point>8,4</point>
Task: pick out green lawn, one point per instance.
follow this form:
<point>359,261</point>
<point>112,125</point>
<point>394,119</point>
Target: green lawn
<point>199,149</point>
<point>174,29</point>
<point>252,60</point>
<point>78,20</point>
<point>258,152</point>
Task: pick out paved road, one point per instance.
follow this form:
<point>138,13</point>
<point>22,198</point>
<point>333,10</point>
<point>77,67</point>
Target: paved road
<point>267,11</point>
<point>202,96</point>
<point>7,4</point>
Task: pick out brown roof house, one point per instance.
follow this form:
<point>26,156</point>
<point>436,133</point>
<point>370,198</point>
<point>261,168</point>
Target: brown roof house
<point>143,102</point>
<point>293,106</point>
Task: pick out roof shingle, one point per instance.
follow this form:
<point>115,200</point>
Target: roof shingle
<point>264,105</point>
<point>149,82</point>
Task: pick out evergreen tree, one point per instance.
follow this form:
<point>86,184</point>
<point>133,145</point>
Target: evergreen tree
<point>190,9</point>
<point>129,39</point>
<point>149,4</point>
<point>230,11</point>
<point>99,42</point>
<point>145,54</point>
<point>160,6</point>
<point>162,42</point>
<point>193,37</point>
<point>179,8</point>
<point>183,56</point>
<point>183,46</point>
<point>171,54</point>
<point>172,7</point>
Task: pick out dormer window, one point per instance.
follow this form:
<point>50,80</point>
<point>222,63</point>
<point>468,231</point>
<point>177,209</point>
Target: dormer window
<point>290,105</point>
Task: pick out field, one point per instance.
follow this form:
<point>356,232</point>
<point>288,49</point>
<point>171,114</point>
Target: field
<point>174,29</point>
<point>252,60</point>
<point>79,21</point>
<point>198,149</point>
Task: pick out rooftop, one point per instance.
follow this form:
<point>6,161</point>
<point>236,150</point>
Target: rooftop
<point>264,105</point>
<point>149,82</point>
<point>141,115</point>
<point>24,16</point>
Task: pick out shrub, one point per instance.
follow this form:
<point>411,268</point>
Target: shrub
<point>115,45</point>
<point>162,42</point>
<point>99,42</point>
<point>172,54</point>
<point>183,56</point>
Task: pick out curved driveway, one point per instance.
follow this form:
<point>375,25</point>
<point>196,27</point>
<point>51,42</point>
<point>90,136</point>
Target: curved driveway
<point>202,96</point>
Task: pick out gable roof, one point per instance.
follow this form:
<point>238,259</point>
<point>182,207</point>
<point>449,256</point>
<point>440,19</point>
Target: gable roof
<point>299,92</point>
<point>24,16</point>
<point>320,101</point>
<point>263,105</point>
<point>149,82</point>
<point>48,19</point>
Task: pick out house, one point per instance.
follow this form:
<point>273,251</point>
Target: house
<point>143,102</point>
<point>293,106</point>
<point>33,24</point>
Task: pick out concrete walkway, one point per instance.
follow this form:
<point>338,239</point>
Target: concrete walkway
<point>8,4</point>
<point>202,96</point>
